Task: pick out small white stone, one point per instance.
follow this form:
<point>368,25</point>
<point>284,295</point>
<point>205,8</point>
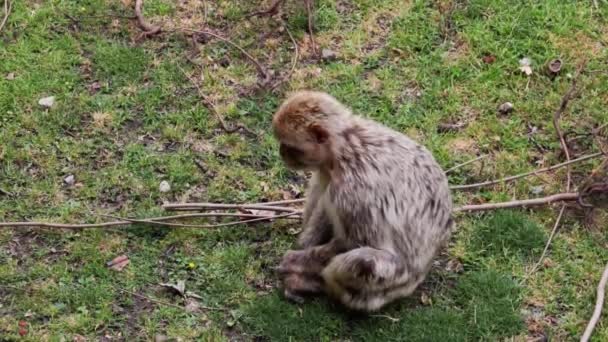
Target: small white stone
<point>47,102</point>
<point>164,186</point>
<point>69,180</point>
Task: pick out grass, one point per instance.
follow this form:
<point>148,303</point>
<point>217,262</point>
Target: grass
<point>126,118</point>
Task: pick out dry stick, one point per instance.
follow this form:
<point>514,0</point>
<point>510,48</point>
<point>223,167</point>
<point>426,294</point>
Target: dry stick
<point>553,231</point>
<point>599,303</point>
<point>212,109</point>
<point>310,13</point>
<point>177,217</point>
<point>257,64</point>
<point>7,10</point>
<point>272,10</point>
<point>560,135</point>
<point>522,175</point>
<point>561,197</point>
<point>295,59</point>
<point>226,224</point>
<point>456,167</point>
<point>292,201</point>
<point>163,302</point>
<point>148,28</point>
<point>288,212</point>
<point>204,206</point>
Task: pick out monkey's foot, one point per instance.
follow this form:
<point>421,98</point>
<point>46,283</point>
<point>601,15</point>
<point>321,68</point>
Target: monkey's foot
<point>298,286</point>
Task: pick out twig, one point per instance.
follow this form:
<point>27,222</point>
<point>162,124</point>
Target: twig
<point>205,206</point>
<point>553,231</point>
<point>225,224</point>
<point>261,70</point>
<point>522,175</point>
<point>7,10</point>
<point>213,111</point>
<point>557,116</point>
<point>294,62</point>
<point>288,212</point>
<point>199,215</point>
<point>560,135</point>
<point>157,301</point>
<point>310,13</point>
<point>292,201</point>
<point>455,167</point>
<point>272,10</point>
<point>149,29</point>
<point>599,303</point>
<point>562,197</point>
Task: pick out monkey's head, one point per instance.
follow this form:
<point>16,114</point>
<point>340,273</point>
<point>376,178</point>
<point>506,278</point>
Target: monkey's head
<point>305,126</point>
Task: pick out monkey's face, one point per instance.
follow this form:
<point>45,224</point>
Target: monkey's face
<point>305,156</point>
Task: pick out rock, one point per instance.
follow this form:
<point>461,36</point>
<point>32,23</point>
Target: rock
<point>328,54</point>
<point>164,186</point>
<point>69,180</point>
<point>47,102</point>
<point>505,108</point>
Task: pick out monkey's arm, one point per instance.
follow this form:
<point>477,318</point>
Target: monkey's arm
<point>316,224</point>
<point>317,229</point>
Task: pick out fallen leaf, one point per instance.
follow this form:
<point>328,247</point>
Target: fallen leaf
<point>118,263</point>
<point>179,288</point>
<point>488,59</point>
<point>47,102</point>
<point>525,65</point>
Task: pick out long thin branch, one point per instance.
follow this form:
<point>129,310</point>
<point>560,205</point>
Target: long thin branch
<point>255,62</point>
<point>225,224</point>
<point>557,116</point>
<point>157,301</point>
<point>148,28</point>
<point>562,197</point>
<point>458,166</point>
<point>294,62</point>
<point>599,304</point>
<point>287,212</point>
<point>526,174</point>
<point>7,11</point>
<point>553,231</point>
<point>206,206</point>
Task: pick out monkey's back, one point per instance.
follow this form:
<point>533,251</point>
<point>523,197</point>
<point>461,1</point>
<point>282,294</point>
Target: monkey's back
<point>391,194</point>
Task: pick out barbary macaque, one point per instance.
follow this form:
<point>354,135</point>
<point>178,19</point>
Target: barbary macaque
<point>378,205</point>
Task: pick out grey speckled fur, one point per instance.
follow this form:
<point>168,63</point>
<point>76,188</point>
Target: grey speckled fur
<point>387,202</point>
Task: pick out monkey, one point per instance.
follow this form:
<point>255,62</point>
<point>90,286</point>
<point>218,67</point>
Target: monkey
<point>378,206</point>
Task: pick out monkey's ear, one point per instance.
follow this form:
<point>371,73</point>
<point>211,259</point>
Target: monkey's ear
<point>319,133</point>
